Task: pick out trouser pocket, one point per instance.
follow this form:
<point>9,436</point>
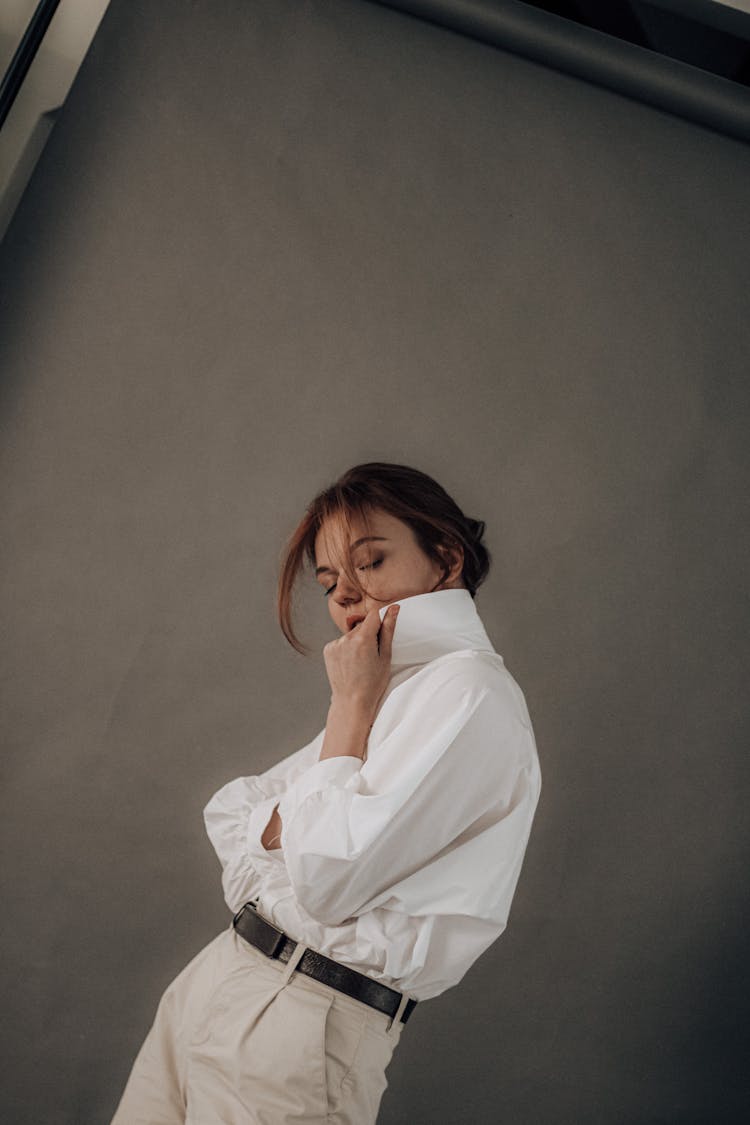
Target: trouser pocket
<point>260,1056</point>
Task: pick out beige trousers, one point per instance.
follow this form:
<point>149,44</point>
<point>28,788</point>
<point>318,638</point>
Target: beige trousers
<point>242,1039</point>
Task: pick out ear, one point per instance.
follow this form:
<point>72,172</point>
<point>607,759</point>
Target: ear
<point>453,556</point>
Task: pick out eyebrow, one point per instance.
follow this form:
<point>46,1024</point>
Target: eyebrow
<point>356,543</point>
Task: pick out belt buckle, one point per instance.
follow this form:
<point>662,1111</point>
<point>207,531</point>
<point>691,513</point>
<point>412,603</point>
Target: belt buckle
<point>253,902</point>
<point>280,936</point>
<point>279,943</point>
<point>241,911</point>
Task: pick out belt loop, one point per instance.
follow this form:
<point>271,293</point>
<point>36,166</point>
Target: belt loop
<point>293,961</point>
<point>397,1016</point>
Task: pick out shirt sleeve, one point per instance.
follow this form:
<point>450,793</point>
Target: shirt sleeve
<point>352,831</point>
<point>236,817</point>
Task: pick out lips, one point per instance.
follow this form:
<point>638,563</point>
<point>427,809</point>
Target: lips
<point>354,619</point>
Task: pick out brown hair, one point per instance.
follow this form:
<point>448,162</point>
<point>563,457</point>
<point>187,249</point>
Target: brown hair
<point>413,497</point>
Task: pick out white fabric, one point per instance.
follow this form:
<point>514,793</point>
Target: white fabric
<point>402,866</point>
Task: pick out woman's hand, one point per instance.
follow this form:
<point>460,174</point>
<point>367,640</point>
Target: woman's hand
<point>358,663</point>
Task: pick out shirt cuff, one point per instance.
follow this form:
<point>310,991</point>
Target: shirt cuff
<point>341,772</point>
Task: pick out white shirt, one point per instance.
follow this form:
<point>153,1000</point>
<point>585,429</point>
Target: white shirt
<point>402,866</point>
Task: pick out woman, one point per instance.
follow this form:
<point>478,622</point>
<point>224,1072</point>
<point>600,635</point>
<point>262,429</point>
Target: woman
<point>371,868</point>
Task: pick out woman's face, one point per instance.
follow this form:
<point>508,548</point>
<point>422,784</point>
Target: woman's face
<point>390,566</point>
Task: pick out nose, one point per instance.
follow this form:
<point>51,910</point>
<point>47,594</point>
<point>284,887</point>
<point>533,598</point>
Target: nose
<point>346,593</point>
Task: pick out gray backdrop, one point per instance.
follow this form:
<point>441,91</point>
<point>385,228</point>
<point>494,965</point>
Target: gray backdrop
<point>268,241</point>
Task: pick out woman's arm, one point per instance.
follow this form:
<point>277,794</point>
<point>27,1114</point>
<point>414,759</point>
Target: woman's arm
<point>453,758</point>
<point>358,668</point>
<point>347,727</point>
<point>228,816</point>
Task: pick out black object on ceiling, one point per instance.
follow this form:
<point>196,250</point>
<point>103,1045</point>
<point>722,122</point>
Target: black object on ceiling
<point>704,34</point>
<point>686,57</point>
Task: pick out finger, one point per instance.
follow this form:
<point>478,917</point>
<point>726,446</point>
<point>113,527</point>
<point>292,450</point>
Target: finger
<point>371,623</point>
<point>387,630</point>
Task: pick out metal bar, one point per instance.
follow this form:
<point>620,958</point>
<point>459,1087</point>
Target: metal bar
<point>636,72</point>
<point>24,56</point>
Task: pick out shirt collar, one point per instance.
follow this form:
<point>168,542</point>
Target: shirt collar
<point>433,624</point>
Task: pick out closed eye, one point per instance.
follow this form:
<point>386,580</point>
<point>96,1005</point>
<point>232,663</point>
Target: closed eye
<point>368,566</point>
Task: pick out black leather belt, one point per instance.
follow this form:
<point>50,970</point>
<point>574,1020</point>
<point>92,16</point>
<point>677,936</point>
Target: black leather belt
<point>261,933</point>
